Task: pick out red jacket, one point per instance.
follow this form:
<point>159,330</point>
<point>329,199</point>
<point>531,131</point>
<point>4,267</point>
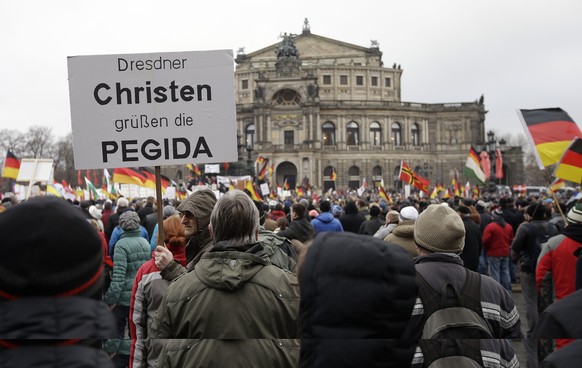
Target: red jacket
<point>558,262</point>
<point>497,239</point>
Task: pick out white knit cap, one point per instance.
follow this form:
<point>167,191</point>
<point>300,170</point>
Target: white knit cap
<point>408,213</point>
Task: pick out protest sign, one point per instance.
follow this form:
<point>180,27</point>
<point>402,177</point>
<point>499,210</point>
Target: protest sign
<point>152,109</point>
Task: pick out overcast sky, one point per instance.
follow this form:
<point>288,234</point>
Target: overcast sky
<point>517,53</point>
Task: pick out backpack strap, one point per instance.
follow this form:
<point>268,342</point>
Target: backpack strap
<point>471,292</point>
<point>431,300</point>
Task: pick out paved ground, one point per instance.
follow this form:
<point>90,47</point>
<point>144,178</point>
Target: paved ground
<point>518,344</point>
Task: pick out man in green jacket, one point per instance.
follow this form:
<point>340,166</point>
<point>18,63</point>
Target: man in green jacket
<point>234,293</point>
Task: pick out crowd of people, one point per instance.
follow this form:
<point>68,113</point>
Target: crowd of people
<point>302,281</point>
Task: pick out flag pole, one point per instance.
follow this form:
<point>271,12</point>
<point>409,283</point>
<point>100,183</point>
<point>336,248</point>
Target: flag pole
<point>159,203</point>
<point>556,203</point>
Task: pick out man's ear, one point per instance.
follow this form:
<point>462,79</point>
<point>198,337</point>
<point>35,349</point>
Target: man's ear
<point>210,231</point>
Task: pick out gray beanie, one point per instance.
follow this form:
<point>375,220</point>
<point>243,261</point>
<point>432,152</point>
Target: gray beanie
<point>129,220</point>
<point>168,211</point>
<point>440,229</point>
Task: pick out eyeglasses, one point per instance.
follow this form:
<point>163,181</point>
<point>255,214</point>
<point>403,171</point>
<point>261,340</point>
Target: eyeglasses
<point>188,215</point>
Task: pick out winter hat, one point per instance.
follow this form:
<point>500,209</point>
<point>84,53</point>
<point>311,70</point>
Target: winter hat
<point>575,214</point>
<point>129,220</point>
<point>94,212</point>
<point>168,211</point>
<point>122,202</point>
<point>336,210</point>
<point>408,213</point>
<point>62,256</point>
<point>440,229</point>
<point>497,213</point>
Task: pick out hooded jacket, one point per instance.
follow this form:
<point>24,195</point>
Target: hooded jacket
<point>357,295</point>
<point>403,236</point>
<point>206,302</point>
<point>326,222</point>
<point>65,318</point>
<point>561,320</point>
<point>200,204</point>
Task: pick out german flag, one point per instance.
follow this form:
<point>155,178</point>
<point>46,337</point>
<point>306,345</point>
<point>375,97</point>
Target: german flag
<point>570,166</point>
<point>264,171</point>
<point>128,176</point>
<point>406,173</point>
<point>557,184</point>
<point>11,166</point>
<point>165,181</point>
<point>382,193</point>
<point>286,185</point>
<point>300,192</point>
<point>550,130</point>
<point>252,192</point>
<point>150,177</point>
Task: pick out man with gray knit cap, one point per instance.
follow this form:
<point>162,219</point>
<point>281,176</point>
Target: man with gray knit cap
<point>439,235</point>
<point>195,216</point>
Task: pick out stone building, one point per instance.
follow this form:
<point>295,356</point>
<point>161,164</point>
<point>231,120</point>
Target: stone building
<point>312,104</point>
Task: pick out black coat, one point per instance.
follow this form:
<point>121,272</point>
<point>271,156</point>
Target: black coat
<point>352,222</point>
<point>299,229</point>
<point>80,320</point>
<point>561,320</point>
<point>357,292</point>
<point>570,356</point>
<point>473,244</point>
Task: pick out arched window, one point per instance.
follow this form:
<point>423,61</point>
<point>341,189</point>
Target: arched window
<point>353,134</point>
<point>377,176</point>
<point>286,97</point>
<point>375,134</point>
<point>328,132</point>
<point>250,135</point>
<point>415,133</point>
<point>354,177</point>
<point>396,134</point>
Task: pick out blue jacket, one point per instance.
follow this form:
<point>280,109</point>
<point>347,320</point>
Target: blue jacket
<point>326,222</point>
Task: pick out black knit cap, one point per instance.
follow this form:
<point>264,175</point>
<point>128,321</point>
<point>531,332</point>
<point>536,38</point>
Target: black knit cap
<point>48,249</point>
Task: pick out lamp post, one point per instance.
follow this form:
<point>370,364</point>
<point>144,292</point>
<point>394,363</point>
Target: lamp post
<point>488,151</point>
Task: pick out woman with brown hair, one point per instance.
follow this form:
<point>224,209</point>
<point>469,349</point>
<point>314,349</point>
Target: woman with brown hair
<point>149,289</point>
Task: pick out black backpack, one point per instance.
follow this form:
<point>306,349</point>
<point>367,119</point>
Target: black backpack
<point>451,314</point>
<point>451,353</point>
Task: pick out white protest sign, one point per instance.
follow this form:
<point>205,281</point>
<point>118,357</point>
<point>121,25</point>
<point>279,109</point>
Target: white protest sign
<point>152,109</point>
<point>265,189</point>
<point>212,169</point>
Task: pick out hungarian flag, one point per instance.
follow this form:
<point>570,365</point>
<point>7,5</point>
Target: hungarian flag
<point>333,175</point>
<point>550,130</point>
<point>254,195</point>
<point>406,174</point>
<point>91,188</point>
<point>570,166</point>
<point>150,177</point>
<point>128,176</point>
<point>472,167</point>
<point>11,166</point>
